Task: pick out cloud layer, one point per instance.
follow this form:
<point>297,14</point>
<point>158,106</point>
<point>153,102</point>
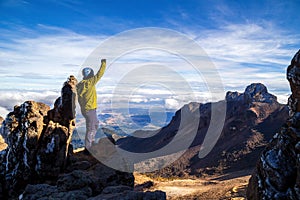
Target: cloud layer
<point>34,65</point>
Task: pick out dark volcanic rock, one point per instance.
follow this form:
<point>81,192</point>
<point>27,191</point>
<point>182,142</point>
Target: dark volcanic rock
<point>45,192</point>
<point>23,127</point>
<point>96,182</point>
<point>277,173</point>
<point>256,92</point>
<point>38,143</point>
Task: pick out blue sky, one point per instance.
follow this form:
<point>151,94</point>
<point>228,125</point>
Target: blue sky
<point>42,42</point>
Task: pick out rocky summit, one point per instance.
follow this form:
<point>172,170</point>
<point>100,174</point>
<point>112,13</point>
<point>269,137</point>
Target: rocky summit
<point>256,92</point>
<point>39,162</point>
<point>277,173</point>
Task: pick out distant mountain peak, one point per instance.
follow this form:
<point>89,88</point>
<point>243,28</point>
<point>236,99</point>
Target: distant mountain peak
<point>256,88</point>
<point>255,92</point>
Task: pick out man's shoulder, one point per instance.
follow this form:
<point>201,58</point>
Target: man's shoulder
<point>82,82</point>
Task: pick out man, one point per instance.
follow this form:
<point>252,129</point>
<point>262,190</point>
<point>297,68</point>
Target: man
<point>87,98</point>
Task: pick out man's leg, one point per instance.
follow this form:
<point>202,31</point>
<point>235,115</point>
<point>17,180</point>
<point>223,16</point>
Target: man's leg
<point>91,127</point>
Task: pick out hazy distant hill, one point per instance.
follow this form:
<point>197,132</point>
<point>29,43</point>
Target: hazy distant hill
<point>126,121</point>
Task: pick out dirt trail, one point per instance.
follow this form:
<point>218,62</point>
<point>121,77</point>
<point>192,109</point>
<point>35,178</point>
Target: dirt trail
<point>214,188</point>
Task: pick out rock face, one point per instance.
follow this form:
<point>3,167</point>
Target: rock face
<point>38,142</point>
<point>277,173</point>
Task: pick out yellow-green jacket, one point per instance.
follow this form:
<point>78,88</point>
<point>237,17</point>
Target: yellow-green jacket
<point>86,91</point>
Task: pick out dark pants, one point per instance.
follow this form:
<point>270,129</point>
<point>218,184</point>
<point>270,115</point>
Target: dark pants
<point>92,124</point>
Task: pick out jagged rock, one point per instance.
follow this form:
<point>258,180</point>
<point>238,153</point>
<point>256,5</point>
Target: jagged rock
<point>23,128</point>
<point>256,92</point>
<point>293,76</point>
<point>38,142</point>
<point>277,173</point>
<point>234,96</point>
<point>52,153</point>
<point>82,184</point>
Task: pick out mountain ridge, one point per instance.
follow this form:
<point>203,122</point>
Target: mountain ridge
<point>246,131</point>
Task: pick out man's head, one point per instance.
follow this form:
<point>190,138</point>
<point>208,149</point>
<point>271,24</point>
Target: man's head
<point>87,72</point>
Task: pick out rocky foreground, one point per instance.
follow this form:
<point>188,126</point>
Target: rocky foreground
<point>39,162</point>
<point>277,173</point>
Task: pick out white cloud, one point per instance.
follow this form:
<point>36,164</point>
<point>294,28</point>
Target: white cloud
<point>3,112</point>
<point>242,53</point>
<point>282,98</point>
<point>50,56</point>
<point>11,98</point>
<point>247,53</point>
<point>249,43</point>
<point>172,104</point>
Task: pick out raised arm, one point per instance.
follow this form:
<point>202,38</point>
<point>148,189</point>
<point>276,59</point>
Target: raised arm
<point>100,72</point>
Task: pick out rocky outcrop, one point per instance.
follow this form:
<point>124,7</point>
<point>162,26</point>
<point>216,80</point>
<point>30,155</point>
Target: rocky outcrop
<point>256,92</point>
<point>38,142</point>
<point>86,178</point>
<point>39,162</point>
<point>277,173</point>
